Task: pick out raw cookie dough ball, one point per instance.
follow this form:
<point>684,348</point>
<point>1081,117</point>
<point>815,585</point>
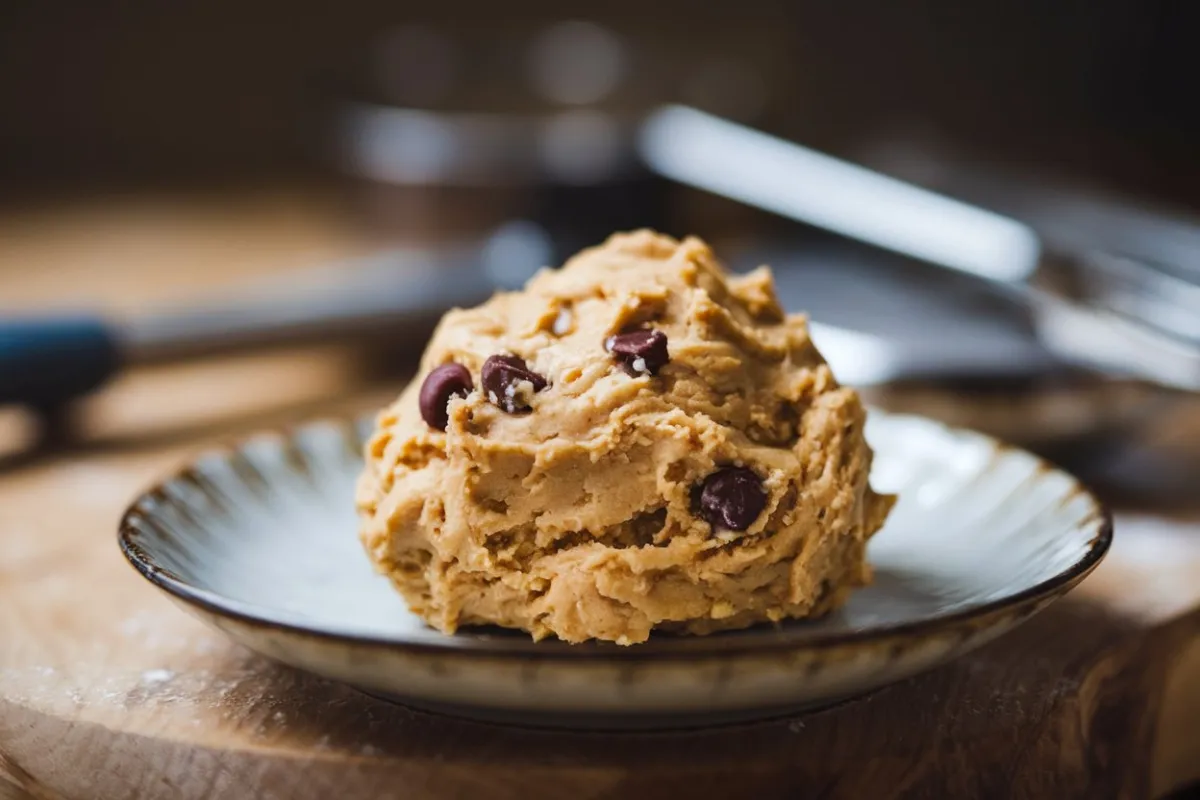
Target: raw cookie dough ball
<point>636,441</point>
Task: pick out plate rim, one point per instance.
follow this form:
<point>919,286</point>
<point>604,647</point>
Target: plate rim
<point>769,640</point>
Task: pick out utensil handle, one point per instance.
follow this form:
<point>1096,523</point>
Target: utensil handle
<point>45,361</point>
<point>780,176</point>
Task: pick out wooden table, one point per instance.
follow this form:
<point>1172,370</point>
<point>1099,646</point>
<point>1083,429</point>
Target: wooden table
<point>107,690</point>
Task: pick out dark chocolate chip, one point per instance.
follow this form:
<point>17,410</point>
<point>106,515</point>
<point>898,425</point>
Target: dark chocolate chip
<point>502,377</point>
<point>641,352</point>
<point>444,382</point>
<point>732,498</point>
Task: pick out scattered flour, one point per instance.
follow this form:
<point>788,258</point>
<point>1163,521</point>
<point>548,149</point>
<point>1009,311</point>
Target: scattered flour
<point>157,676</point>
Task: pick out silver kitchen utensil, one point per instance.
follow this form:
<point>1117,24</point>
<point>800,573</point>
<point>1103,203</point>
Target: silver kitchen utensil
<point>1100,309</point>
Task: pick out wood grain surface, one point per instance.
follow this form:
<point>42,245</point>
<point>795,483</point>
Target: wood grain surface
<point>108,690</point>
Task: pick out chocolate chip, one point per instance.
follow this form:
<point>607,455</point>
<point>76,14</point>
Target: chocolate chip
<point>642,352</point>
<point>444,382</point>
<point>732,498</point>
<point>502,378</point>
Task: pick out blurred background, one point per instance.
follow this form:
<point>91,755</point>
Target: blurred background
<point>130,94</point>
<point>157,157</point>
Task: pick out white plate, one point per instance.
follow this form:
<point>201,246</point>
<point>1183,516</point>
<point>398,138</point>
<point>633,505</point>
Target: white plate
<point>261,542</point>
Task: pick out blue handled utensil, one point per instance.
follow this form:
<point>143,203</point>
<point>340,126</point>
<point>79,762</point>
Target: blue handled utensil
<point>47,361</point>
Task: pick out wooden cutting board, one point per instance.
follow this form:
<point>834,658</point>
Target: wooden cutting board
<point>108,690</point>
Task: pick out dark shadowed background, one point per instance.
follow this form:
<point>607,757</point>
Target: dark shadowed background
<point>118,93</point>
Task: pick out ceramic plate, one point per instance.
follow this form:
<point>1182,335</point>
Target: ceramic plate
<point>261,542</point>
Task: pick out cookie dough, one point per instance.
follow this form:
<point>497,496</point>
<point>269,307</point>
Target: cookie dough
<point>636,441</point>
